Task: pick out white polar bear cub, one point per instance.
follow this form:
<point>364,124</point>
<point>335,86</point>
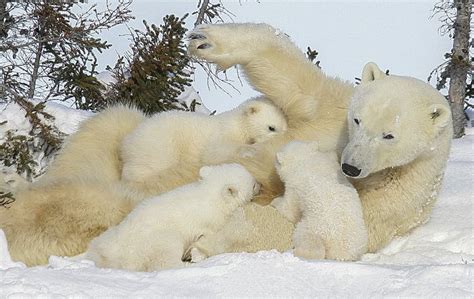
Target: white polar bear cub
<point>169,139</point>
<point>322,202</point>
<point>157,232</point>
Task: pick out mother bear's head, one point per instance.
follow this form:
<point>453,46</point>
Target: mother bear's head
<point>392,121</point>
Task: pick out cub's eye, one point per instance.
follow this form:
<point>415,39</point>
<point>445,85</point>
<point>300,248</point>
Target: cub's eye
<point>271,128</point>
<point>388,136</point>
<point>357,121</point>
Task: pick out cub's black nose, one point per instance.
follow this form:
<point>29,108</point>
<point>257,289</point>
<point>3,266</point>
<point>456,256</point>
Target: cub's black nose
<point>350,170</point>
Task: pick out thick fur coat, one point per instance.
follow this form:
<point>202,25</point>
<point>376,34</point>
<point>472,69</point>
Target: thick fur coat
<point>170,140</point>
<point>322,203</point>
<point>396,195</point>
<point>157,232</point>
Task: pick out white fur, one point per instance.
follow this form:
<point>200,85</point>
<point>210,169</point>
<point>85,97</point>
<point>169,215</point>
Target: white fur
<point>83,181</point>
<point>157,232</point>
<point>170,139</point>
<point>399,179</point>
<point>321,201</point>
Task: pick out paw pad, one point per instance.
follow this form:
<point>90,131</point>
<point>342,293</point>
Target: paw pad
<point>204,46</point>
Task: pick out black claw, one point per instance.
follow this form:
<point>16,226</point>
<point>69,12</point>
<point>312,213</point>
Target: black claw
<point>196,36</point>
<point>204,46</point>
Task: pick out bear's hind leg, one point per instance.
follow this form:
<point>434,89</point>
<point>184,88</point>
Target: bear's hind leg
<point>308,243</point>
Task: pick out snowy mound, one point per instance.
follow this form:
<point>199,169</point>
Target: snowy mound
<point>436,259</point>
<point>13,117</point>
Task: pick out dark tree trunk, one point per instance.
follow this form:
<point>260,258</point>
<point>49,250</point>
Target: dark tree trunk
<point>460,64</point>
<point>3,18</point>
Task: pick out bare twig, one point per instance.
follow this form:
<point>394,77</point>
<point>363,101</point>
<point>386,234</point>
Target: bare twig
<point>202,12</point>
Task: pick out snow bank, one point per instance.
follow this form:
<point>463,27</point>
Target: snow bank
<point>437,259</point>
<point>66,120</point>
<point>13,117</point>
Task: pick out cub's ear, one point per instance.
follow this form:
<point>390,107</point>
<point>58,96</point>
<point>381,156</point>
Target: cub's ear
<point>371,72</point>
<point>205,171</point>
<point>441,116</point>
<point>230,191</point>
<point>252,109</point>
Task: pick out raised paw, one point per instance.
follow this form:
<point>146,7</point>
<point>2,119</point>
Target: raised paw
<point>225,45</point>
<point>203,44</point>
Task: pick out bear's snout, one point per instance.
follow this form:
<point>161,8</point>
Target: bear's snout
<point>350,170</point>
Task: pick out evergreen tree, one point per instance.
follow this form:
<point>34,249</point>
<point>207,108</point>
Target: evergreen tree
<point>48,51</point>
<point>456,72</point>
<point>156,71</point>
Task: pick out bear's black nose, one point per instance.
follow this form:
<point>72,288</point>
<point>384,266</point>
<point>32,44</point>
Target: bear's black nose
<point>350,170</point>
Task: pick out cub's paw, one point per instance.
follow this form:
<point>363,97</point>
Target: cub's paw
<point>310,253</point>
<point>285,208</point>
<point>279,203</point>
<point>194,255</point>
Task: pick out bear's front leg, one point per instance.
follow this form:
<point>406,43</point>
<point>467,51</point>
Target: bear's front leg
<point>227,45</point>
<point>271,62</point>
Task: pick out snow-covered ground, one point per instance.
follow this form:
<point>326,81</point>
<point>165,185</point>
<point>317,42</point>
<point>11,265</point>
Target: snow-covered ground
<point>436,260</point>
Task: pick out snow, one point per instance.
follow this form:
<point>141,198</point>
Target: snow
<point>67,119</point>
<point>13,117</point>
<point>436,259</point>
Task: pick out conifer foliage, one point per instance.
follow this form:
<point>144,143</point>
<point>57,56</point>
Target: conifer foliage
<point>48,52</point>
<point>157,70</point>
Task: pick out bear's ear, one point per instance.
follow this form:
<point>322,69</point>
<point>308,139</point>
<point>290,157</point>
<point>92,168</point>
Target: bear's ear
<point>252,109</point>
<point>205,171</point>
<point>440,115</point>
<point>230,191</point>
<point>371,72</point>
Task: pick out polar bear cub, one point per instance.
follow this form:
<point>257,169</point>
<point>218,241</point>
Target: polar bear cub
<point>322,202</point>
<point>157,232</point>
<point>169,139</point>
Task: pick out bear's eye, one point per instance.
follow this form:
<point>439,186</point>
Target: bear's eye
<point>271,128</point>
<point>388,136</point>
<point>357,121</point>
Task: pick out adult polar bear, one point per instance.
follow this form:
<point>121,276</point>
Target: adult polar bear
<point>395,197</point>
<point>400,130</point>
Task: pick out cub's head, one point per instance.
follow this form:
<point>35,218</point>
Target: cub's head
<point>298,157</point>
<point>392,121</point>
<point>235,184</point>
<point>262,120</point>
